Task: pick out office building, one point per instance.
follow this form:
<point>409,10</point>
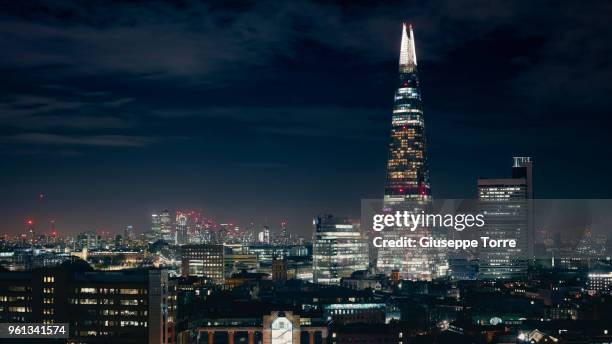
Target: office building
<point>264,236</point>
<point>339,249</point>
<point>205,260</point>
<point>181,232</point>
<point>97,305</point>
<point>129,236</point>
<point>507,206</point>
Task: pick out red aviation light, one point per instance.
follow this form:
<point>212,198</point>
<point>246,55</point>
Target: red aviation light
<point>30,222</point>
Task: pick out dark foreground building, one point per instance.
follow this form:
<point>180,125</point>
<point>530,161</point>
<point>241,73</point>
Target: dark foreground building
<point>127,306</point>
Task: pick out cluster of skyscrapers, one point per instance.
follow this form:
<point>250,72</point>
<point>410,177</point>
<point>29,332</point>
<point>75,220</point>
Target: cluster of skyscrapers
<point>190,227</point>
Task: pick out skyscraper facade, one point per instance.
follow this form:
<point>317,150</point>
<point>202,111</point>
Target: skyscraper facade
<point>339,249</point>
<point>204,260</point>
<point>506,205</point>
<point>181,229</point>
<point>407,168</point>
<point>407,185</point>
<point>161,227</point>
<point>166,226</point>
<point>155,233</point>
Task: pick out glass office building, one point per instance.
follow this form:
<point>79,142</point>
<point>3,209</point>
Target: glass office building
<point>507,206</point>
<point>339,249</point>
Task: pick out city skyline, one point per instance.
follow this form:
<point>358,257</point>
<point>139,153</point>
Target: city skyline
<point>286,172</point>
<point>103,147</point>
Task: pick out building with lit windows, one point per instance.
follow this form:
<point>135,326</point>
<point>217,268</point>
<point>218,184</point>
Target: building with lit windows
<point>407,185</point>
<point>264,236</point>
<point>161,227</point>
<point>507,206</point>
<point>97,305</point>
<point>205,260</point>
<point>599,282</point>
<point>356,313</point>
<point>129,236</point>
<point>407,168</point>
<point>339,249</point>
<point>181,229</point>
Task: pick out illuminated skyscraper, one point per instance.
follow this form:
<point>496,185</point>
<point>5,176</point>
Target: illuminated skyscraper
<point>407,169</point>
<point>31,232</point>
<point>407,185</point>
<point>166,226</point>
<point>264,235</point>
<point>128,234</point>
<point>161,227</point>
<point>284,234</point>
<point>155,233</point>
<point>181,227</point>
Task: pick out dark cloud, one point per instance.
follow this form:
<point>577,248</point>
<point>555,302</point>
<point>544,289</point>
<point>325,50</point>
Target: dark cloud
<point>192,103</point>
<point>92,140</point>
<point>331,121</point>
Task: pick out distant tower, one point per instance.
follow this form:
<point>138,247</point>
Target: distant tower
<point>165,221</point>
<point>53,230</point>
<point>155,232</point>
<point>30,232</point>
<point>284,235</point>
<point>407,168</point>
<point>264,235</point>
<point>161,227</point>
<point>128,234</point>
<point>181,228</point>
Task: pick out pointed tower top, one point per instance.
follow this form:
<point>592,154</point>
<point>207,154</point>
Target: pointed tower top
<point>407,50</point>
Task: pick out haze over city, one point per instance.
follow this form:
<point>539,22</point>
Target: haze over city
<point>258,113</point>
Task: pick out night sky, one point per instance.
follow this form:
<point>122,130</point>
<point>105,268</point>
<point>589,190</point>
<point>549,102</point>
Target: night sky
<point>281,109</point>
